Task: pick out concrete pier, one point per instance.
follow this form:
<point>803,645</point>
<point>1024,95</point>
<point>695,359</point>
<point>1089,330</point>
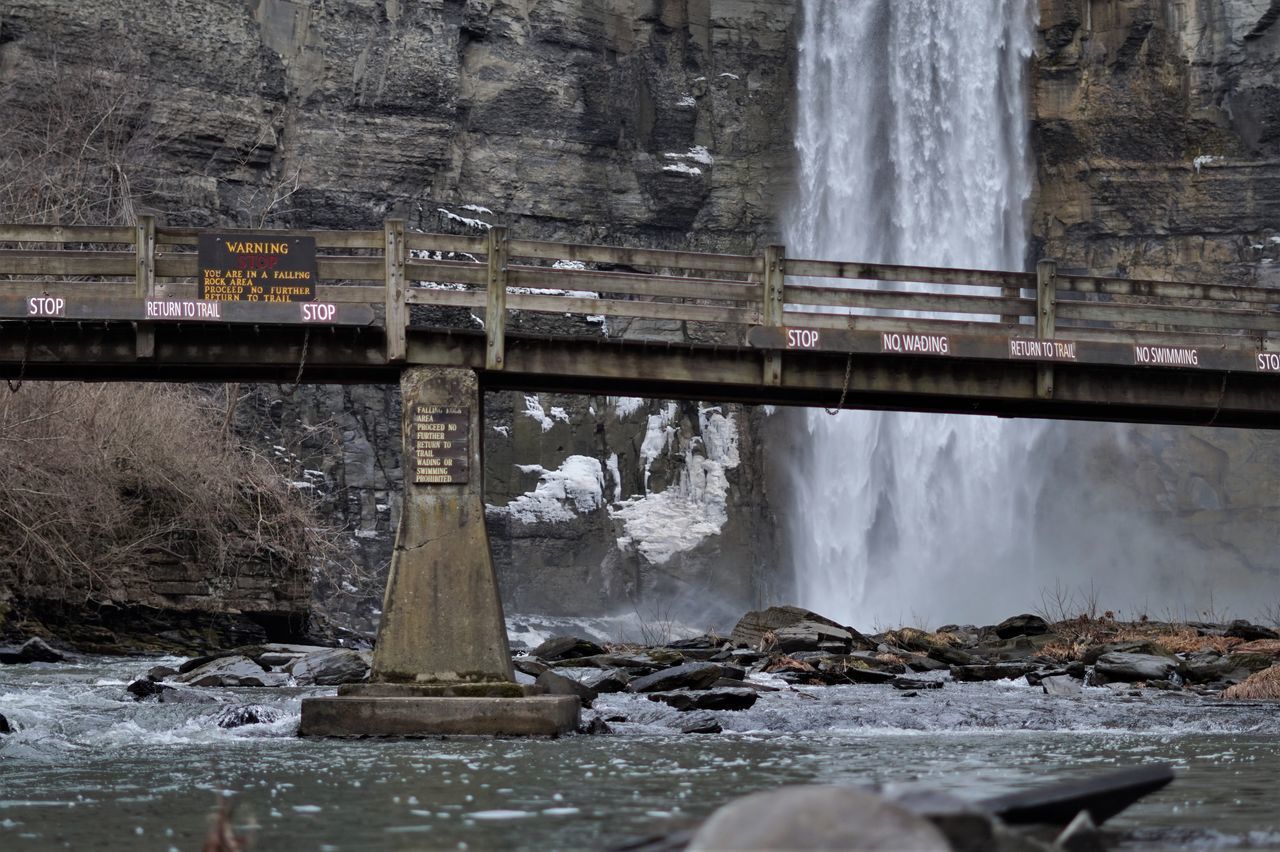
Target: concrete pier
<point>442,664</point>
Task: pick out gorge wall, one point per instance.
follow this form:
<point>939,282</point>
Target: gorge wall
<point>663,123</point>
<point>1157,136</point>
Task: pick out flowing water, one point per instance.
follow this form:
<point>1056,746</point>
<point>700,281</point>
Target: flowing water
<point>90,768</point>
<point>912,140</point>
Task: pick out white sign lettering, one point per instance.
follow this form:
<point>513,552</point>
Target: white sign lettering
<point>920,344</point>
<point>178,309</point>
<point>1269,362</point>
<point>802,338</point>
<point>318,312</point>
<point>1166,356</point>
<point>46,306</point>
<point>1042,350</point>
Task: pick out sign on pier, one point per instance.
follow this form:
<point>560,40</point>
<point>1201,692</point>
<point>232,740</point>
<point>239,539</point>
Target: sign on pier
<point>248,268</point>
<point>441,445</point>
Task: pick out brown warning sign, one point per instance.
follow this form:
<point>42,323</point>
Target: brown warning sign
<point>257,268</point>
<point>441,446</point>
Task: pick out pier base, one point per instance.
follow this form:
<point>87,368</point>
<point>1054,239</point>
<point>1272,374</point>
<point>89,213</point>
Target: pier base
<point>442,664</point>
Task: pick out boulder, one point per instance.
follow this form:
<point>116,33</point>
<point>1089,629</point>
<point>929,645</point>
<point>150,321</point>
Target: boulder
<point>611,680</point>
<point>222,671</point>
<point>816,817</point>
<point>1093,653</point>
<point>1061,685</point>
<point>686,676</point>
<point>950,655</point>
<point>1241,629</point>
<point>1241,666</point>
<point>160,672</point>
<point>247,714</point>
<point>529,666</point>
<point>1205,667</point>
<point>1022,625</point>
<point>595,726</point>
<point>915,683</point>
<point>993,671</point>
<point>566,647</point>
<point>701,723</point>
<point>713,699</point>
<point>331,667</point>
<point>558,684</point>
<point>791,628</point>
<point>921,663</point>
<point>5,727</point>
<point>1122,666</point>
<point>34,650</point>
<point>145,688</point>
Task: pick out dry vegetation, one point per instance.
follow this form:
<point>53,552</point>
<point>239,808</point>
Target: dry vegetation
<point>99,479</point>
<point>1263,684</point>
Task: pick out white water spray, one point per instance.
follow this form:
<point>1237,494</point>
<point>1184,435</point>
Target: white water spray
<point>912,140</point>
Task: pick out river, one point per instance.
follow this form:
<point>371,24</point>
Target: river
<point>91,768</point>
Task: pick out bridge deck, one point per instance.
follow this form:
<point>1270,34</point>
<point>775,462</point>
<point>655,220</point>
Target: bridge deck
<point>107,304</point>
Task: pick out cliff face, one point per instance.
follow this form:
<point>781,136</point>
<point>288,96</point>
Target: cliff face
<point>1157,132</point>
<point>639,122</point>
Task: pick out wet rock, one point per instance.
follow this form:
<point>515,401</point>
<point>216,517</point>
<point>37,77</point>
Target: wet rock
<point>34,650</point>
<point>222,671</point>
<point>595,726</point>
<point>1061,685</point>
<point>331,667</point>
<point>967,827</point>
<point>160,672</point>
<point>817,817</point>
<point>1021,625</point>
<point>175,695</point>
<point>566,647</point>
<point>5,726</point>
<point>1093,653</point>
<point>993,671</point>
<point>1241,629</point>
<point>1129,667</point>
<point>791,628</point>
<point>701,723</point>
<point>1205,667</point>
<point>714,699</point>
<point>849,670</point>
<point>950,656</point>
<point>145,688</point>
<point>921,663</point>
<point>612,680</point>
<point>529,666</point>
<point>558,684</point>
<point>1081,835</point>
<point>248,714</point>
<point>686,676</point>
<point>635,663</point>
<point>705,641</point>
<point>915,683</point>
<point>1241,666</point>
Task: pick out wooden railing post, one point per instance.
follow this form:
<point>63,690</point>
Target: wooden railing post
<point>397,313</point>
<point>144,287</point>
<point>495,306</point>
<point>775,258</point>
<point>1046,319</point>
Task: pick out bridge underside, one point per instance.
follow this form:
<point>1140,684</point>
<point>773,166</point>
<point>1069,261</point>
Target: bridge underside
<point>107,352</point>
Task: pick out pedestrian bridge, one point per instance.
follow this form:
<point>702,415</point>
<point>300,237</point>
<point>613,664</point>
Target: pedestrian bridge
<point>123,303</point>
<point>180,304</point>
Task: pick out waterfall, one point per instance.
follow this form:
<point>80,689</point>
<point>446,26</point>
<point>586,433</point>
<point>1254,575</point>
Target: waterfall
<point>912,134</point>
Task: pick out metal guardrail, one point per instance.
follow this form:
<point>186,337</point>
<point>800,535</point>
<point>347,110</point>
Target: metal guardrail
<point>776,303</point>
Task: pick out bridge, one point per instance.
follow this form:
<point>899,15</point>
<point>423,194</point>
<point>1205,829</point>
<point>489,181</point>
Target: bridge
<point>106,304</point>
<point>182,304</point>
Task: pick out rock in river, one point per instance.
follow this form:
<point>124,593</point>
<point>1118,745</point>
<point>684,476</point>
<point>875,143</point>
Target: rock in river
<point>1022,625</point>
<point>224,671</point>
<point>5,727</point>
<point>702,723</point>
<point>247,714</point>
<point>557,684</point>
<point>331,667</point>
<point>686,676</point>
<point>1127,667</point>
<point>34,650</point>
<point>565,648</point>
<point>712,699</point>
<point>790,628</point>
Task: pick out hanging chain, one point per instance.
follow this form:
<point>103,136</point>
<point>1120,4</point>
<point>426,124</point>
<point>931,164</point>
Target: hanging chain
<point>844,391</point>
<point>302,362</point>
<point>14,387</point>
<point>1222,392</point>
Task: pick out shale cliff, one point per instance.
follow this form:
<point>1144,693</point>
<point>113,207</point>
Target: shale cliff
<point>1157,136</point>
<point>638,122</point>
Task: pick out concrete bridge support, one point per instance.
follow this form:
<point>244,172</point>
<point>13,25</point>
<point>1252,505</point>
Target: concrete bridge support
<point>441,664</point>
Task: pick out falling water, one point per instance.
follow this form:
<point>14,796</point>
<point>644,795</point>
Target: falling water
<point>912,134</point>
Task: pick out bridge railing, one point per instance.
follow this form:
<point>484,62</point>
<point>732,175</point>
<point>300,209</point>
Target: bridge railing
<point>764,300</point>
